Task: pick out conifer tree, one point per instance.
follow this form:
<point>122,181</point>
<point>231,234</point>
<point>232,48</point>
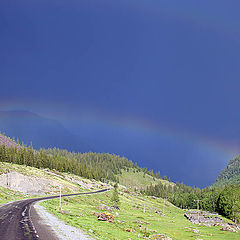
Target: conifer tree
<point>115,196</point>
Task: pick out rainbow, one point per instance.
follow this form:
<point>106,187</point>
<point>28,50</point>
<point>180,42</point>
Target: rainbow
<point>87,115</point>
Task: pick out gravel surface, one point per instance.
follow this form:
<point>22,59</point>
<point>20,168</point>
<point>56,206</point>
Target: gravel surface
<point>63,231</point>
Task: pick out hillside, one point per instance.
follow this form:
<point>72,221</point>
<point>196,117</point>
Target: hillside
<point>139,216</point>
<point>19,181</point>
<point>7,141</point>
<point>139,180</point>
<point>106,168</point>
<point>98,166</point>
<point>231,174</point>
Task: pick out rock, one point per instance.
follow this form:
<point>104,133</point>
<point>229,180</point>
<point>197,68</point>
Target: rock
<point>140,222</point>
<point>203,217</point>
<point>115,207</point>
<point>160,237</point>
<point>104,207</point>
<point>104,216</point>
<point>129,230</point>
<point>193,230</point>
<point>228,228</point>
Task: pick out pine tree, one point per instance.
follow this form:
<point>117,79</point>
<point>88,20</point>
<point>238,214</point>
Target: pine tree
<point>115,196</point>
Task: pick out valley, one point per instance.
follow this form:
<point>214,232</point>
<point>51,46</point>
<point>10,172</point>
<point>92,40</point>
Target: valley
<point>139,207</point>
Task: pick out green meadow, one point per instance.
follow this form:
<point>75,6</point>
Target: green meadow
<point>139,217</point>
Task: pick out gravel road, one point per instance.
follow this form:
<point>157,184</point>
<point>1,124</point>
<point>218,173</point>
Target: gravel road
<point>60,229</point>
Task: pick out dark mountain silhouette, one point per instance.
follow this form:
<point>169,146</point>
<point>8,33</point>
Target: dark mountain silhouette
<point>30,128</point>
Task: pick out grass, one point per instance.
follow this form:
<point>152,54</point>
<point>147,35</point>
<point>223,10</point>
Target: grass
<point>134,179</point>
<point>7,195</point>
<point>78,212</point>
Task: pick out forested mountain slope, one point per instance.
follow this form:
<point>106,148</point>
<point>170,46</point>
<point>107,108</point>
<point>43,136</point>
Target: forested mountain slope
<point>7,141</point>
<point>98,166</point>
<point>231,174</point>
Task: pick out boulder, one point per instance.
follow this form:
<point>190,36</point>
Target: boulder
<point>104,216</point>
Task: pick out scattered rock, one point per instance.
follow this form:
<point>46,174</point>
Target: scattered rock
<point>104,216</point>
<point>104,207</point>
<point>140,222</point>
<point>193,230</point>
<point>129,230</point>
<point>228,228</point>
<point>208,219</point>
<point>203,217</point>
<point>115,207</point>
<point>160,237</point>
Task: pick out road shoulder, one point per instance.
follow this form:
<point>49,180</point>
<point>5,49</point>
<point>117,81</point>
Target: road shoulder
<point>43,220</point>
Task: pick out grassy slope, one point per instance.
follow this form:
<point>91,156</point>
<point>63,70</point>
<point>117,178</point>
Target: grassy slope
<point>79,213</point>
<point>138,179</point>
<point>67,186</point>
<point>7,195</point>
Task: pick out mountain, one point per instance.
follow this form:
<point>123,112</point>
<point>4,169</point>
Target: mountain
<point>231,174</point>
<point>42,132</point>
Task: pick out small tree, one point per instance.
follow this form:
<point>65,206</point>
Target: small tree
<point>115,196</point>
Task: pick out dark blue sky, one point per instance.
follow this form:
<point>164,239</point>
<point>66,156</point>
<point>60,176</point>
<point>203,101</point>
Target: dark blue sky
<point>156,81</point>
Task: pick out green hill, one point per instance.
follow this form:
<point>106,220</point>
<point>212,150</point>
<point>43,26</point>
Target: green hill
<point>139,217</point>
<point>139,180</point>
<point>98,166</point>
<point>231,174</point>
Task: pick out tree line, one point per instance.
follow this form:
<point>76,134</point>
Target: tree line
<point>223,200</point>
<point>98,166</point>
<point>105,166</point>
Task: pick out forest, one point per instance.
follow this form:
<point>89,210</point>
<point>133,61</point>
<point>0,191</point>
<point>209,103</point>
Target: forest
<point>104,166</point>
<point>224,200</point>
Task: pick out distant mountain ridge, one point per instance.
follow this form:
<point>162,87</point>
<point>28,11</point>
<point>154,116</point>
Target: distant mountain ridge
<point>231,174</point>
<point>42,132</point>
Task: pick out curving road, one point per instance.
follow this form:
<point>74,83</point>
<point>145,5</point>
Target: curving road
<point>19,222</point>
